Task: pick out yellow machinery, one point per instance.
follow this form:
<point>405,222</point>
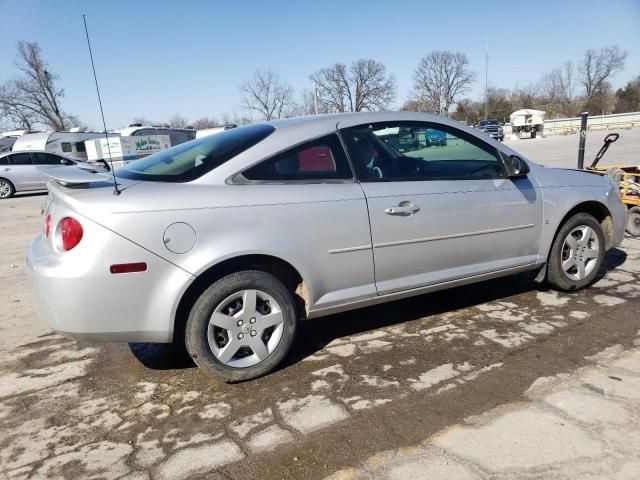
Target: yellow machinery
<point>629,178</point>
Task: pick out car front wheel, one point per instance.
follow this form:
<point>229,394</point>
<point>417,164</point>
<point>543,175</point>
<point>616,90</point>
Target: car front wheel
<point>576,254</point>
<point>242,326</point>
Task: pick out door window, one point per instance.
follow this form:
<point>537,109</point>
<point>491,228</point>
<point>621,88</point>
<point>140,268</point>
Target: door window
<point>20,159</point>
<point>320,159</point>
<point>414,151</point>
<point>42,158</point>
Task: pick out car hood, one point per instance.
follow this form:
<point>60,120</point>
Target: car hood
<point>550,176</point>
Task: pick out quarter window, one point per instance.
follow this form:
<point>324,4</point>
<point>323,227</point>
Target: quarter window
<point>66,147</point>
<point>320,159</point>
<point>414,151</point>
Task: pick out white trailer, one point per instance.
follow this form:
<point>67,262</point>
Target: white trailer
<point>527,121</point>
<point>70,144</point>
<point>125,149</point>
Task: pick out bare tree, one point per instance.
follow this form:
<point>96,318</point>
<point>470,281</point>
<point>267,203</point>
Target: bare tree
<point>416,105</point>
<point>364,85</point>
<point>558,88</point>
<point>34,97</point>
<point>525,97</point>
<point>441,78</point>
<point>598,67</point>
<point>178,121</point>
<point>204,122</point>
<point>11,112</point>
<point>267,95</point>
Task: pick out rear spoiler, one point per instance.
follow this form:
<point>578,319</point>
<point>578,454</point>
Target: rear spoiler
<point>74,175</point>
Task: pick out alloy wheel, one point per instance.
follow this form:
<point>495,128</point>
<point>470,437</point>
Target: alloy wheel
<point>245,328</point>
<point>580,252</point>
<point>5,189</point>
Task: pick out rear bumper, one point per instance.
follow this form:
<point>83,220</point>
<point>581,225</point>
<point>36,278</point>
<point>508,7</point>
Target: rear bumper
<point>76,294</point>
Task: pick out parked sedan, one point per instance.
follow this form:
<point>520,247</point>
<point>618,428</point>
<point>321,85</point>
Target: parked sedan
<point>225,243</point>
<point>19,170</point>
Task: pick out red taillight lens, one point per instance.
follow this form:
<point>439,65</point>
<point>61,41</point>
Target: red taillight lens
<point>47,225</point>
<point>71,232</point>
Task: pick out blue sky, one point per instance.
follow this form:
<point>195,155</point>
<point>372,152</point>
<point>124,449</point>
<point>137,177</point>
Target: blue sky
<point>158,58</point>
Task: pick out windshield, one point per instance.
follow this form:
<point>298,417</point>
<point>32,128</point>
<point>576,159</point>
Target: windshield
<point>191,160</point>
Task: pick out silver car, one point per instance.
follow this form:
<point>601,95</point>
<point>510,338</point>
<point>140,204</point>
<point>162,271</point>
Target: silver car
<point>225,243</point>
<point>19,171</point>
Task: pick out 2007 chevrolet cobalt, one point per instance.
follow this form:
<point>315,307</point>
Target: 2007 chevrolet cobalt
<point>226,242</point>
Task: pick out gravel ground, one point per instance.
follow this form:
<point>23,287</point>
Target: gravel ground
<point>356,384</point>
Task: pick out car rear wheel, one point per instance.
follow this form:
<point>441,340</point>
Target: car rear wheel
<point>576,254</point>
<point>633,221</point>
<point>242,326</point>
<point>6,188</point>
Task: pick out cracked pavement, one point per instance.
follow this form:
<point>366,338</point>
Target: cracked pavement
<point>356,383</point>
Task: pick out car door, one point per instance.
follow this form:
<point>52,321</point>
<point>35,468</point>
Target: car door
<point>48,160</point>
<point>310,193</point>
<point>22,172</point>
<point>441,213</point>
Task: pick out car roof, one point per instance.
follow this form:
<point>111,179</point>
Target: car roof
<point>326,123</point>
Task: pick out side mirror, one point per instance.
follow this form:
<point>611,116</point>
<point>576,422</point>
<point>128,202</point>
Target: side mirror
<point>516,167</point>
<point>65,161</point>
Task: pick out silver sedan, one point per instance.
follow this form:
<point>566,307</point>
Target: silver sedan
<point>225,243</point>
<point>19,171</point>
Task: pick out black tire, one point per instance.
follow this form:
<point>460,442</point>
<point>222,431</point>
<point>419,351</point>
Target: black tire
<point>7,187</point>
<point>196,338</point>
<point>556,276</point>
<point>633,221</point>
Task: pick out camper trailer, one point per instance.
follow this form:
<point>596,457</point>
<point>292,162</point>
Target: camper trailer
<point>69,144</point>
<point>122,150</point>
<point>7,139</point>
<point>176,135</point>
<point>205,132</point>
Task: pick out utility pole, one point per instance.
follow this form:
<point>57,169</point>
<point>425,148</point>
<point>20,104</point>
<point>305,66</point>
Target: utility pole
<point>315,98</point>
<point>486,80</point>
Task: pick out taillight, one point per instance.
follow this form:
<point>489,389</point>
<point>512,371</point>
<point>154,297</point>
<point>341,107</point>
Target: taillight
<point>47,225</point>
<point>70,232</point>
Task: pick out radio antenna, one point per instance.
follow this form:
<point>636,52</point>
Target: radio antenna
<point>116,191</point>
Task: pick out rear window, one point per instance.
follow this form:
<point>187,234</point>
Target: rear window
<point>191,160</point>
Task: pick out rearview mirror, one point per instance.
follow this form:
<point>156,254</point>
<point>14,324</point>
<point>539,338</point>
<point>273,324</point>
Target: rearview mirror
<point>516,167</point>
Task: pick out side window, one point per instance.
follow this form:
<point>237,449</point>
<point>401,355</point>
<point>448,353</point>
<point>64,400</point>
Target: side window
<point>20,159</point>
<point>41,158</point>
<point>66,147</point>
<point>80,147</point>
<point>320,159</point>
<point>414,151</point>
<point>4,160</point>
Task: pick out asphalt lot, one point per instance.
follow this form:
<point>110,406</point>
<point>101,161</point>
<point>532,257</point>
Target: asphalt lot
<point>357,383</point>
<point>558,150</point>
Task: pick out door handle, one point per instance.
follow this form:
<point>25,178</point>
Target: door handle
<point>403,209</point>
<point>7,169</point>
